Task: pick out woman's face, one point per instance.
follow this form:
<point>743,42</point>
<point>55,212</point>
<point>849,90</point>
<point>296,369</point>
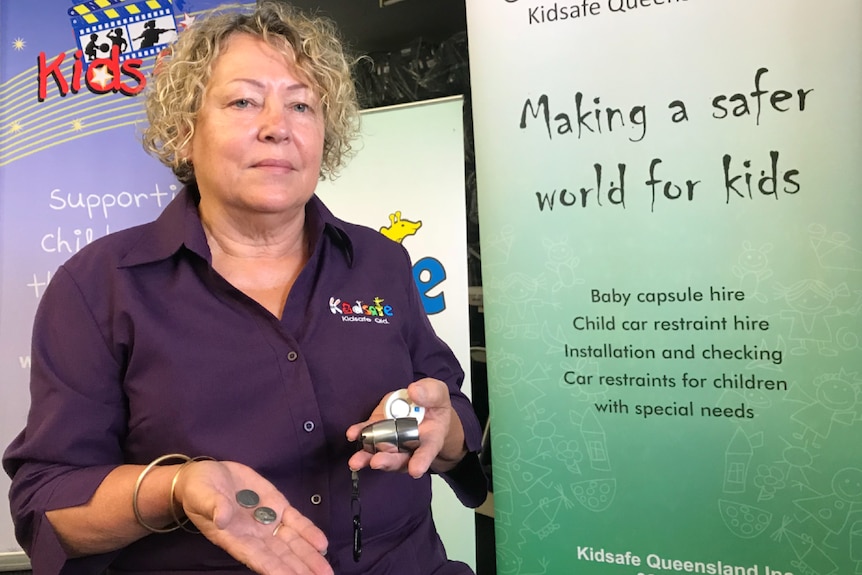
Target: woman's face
<point>258,138</point>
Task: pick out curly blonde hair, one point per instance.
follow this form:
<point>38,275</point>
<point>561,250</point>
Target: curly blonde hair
<point>179,80</point>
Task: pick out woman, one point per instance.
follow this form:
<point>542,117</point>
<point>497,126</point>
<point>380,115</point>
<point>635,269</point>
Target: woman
<point>197,389</point>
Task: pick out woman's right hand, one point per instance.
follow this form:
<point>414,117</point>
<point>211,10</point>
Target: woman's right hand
<point>291,545</point>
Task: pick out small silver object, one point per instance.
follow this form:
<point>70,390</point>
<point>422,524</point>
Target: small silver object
<point>247,498</point>
<point>264,515</point>
<point>391,436</point>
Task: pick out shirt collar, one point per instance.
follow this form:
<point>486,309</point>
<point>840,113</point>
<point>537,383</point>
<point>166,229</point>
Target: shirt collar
<point>179,225</point>
<point>321,220</point>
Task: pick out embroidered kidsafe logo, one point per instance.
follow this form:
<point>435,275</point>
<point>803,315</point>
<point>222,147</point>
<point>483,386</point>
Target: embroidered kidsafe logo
<point>358,311</point>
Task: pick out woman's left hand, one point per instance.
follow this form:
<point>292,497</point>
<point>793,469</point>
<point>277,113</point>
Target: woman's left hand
<point>441,436</point>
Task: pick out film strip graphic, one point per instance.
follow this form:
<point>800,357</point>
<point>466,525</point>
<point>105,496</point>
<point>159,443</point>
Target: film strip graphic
<point>139,29</point>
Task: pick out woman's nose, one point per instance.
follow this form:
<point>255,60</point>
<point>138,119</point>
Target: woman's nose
<point>274,123</point>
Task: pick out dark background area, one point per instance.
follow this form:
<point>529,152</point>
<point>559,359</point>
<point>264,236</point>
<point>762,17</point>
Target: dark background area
<point>369,28</point>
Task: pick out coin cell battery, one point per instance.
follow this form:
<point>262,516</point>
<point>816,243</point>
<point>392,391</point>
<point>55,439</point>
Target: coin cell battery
<point>398,405</point>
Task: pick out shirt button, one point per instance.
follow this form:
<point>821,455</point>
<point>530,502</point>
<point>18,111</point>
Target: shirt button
<point>292,355</point>
<point>316,499</point>
<point>308,426</point>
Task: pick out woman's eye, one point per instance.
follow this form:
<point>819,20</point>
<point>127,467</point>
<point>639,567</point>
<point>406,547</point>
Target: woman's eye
<point>300,107</point>
<point>241,103</point>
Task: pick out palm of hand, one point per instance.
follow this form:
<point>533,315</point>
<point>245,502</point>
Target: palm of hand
<point>208,494</point>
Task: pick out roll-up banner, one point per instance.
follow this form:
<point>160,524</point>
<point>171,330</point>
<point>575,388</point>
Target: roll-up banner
<point>671,231</point>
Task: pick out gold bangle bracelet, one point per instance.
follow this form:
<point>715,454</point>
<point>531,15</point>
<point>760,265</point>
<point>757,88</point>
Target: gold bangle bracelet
<point>140,480</point>
<point>182,522</point>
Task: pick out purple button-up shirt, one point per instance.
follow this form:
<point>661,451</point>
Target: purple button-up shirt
<point>141,349</point>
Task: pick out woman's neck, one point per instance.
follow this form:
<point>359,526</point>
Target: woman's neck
<point>262,257</point>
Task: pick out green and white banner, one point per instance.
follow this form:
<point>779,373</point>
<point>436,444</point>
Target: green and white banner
<point>670,199</point>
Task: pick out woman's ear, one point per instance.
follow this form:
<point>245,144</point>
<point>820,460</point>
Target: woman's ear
<point>184,154</point>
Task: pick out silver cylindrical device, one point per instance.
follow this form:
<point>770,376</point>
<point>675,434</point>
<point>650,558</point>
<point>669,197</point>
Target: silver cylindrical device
<point>391,436</point>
